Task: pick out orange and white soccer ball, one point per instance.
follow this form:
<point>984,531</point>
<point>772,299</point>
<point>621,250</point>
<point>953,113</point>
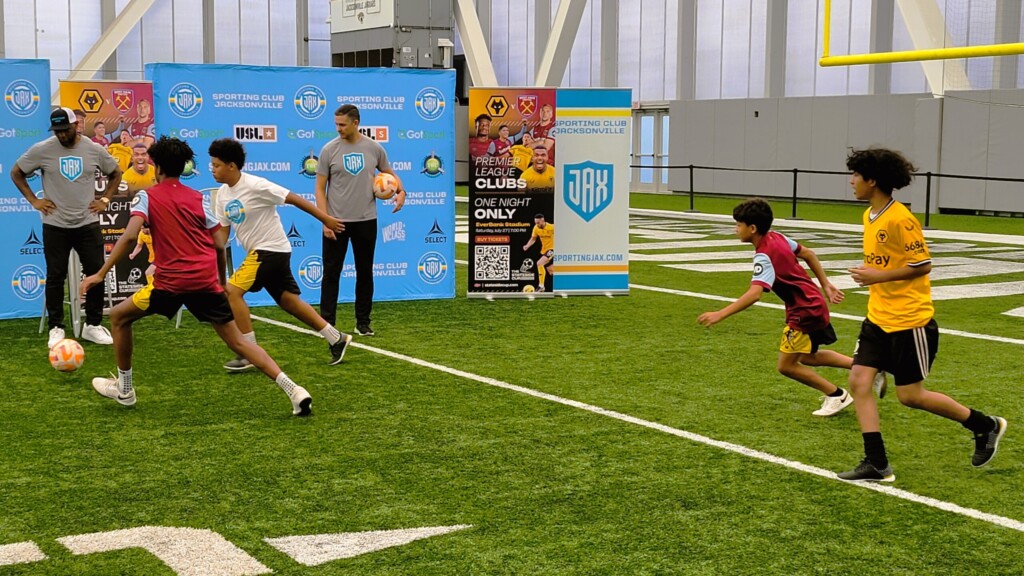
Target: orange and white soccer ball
<point>67,355</point>
<point>385,186</point>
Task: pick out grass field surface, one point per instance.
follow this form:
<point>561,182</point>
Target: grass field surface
<point>424,426</point>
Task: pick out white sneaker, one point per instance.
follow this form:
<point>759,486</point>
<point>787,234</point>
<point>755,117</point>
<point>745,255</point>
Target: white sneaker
<point>97,334</point>
<point>302,402</point>
<point>56,335</point>
<point>832,405</point>
<point>880,385</point>
<point>108,387</point>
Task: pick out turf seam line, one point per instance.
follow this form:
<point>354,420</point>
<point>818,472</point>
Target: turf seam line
<point>735,448</point>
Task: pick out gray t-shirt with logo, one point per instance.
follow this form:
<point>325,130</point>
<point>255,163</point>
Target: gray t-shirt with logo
<point>69,177</point>
<point>350,169</point>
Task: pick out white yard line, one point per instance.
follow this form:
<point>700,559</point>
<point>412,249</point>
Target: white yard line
<point>735,448</point>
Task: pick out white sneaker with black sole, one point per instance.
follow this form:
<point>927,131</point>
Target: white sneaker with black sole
<point>238,364</point>
<point>302,402</point>
<point>833,404</point>
<point>109,388</point>
<point>56,335</point>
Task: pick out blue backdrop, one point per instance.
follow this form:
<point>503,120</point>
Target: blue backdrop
<point>284,116</point>
<point>24,119</point>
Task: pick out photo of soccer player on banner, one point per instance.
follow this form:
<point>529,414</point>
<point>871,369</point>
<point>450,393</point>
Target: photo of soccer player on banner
<point>511,191</point>
<point>118,116</point>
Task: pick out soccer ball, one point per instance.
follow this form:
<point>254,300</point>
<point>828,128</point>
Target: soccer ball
<point>529,288</point>
<point>384,186</point>
<point>67,355</point>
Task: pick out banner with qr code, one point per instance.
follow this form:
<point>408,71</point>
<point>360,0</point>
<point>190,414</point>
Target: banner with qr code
<point>592,198</point>
<point>511,191</point>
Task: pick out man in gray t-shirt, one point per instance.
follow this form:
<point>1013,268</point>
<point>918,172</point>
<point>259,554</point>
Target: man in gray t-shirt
<point>70,208</point>
<point>344,189</point>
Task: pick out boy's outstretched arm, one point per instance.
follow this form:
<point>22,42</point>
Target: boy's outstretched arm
<point>749,298</point>
<point>834,295</point>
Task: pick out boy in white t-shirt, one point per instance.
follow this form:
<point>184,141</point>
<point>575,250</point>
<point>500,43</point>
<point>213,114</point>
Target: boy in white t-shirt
<point>249,203</point>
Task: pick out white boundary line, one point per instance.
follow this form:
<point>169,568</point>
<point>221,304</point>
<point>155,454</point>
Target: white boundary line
<point>735,448</point>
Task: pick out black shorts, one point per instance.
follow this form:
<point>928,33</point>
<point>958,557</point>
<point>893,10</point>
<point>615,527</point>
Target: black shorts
<point>271,271</point>
<point>550,254</point>
<point>209,307</point>
<point>906,354</point>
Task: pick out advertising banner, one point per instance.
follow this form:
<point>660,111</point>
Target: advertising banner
<point>512,184</point>
<point>118,116</point>
<point>24,119</point>
<point>284,116</point>
<point>592,202</point>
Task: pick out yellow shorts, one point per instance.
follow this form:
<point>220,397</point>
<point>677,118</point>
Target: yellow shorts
<point>794,342</point>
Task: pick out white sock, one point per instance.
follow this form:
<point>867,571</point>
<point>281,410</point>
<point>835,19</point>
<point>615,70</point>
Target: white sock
<point>331,334</point>
<point>124,381</point>
<point>285,383</point>
<point>250,336</point>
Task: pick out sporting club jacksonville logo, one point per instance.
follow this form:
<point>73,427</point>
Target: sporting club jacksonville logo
<point>430,103</point>
<point>311,272</point>
<point>310,102</point>
<point>22,98</point>
<point>185,100</point>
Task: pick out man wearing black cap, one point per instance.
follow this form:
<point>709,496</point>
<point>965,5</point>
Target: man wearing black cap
<point>70,208</point>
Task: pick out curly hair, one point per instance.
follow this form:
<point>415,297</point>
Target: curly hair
<point>171,155</point>
<point>888,168</point>
<point>228,150</point>
<point>755,212</point>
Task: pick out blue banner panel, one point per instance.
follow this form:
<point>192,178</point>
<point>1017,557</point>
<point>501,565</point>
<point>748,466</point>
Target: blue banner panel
<point>24,119</point>
<point>284,116</point>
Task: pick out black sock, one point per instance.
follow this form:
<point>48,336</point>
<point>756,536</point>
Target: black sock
<point>839,392</point>
<point>874,449</point>
<point>979,423</point>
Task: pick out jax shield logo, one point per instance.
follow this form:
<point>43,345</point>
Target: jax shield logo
<point>430,103</point>
<point>311,272</point>
<point>185,100</point>
<point>235,211</point>
<point>432,268</point>
<point>28,282</point>
<point>310,102</point>
<point>353,162</point>
<point>124,99</point>
<point>71,167</point>
<point>587,188</point>
<point>22,98</point>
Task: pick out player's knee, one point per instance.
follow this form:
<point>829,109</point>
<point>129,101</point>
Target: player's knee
<point>911,397</point>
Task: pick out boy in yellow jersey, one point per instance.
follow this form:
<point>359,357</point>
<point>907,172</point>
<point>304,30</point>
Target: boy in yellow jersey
<point>145,240</point>
<point>546,233</point>
<point>899,335</point>
<point>522,153</point>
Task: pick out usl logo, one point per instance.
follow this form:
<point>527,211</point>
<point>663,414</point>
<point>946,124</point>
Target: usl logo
<point>28,282</point>
<point>375,133</point>
<point>311,272</point>
<point>71,167</point>
<point>310,102</point>
<point>432,268</point>
<point>185,100</point>
<point>353,163</point>
<point>22,98</point>
<point>588,188</point>
<point>430,103</point>
<point>255,133</point>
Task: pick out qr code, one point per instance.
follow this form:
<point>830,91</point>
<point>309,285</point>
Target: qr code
<point>491,263</point>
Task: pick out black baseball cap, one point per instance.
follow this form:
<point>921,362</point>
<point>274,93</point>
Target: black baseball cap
<point>62,119</point>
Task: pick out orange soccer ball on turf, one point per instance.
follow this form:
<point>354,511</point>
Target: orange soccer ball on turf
<point>67,355</point>
<point>385,186</point>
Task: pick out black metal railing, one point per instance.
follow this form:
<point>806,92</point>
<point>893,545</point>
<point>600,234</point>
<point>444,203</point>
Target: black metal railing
<point>796,172</point>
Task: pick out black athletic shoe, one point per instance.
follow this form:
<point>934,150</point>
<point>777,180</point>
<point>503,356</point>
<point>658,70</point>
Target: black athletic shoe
<point>866,472</point>
<point>339,347</point>
<point>986,444</point>
<point>364,329</point>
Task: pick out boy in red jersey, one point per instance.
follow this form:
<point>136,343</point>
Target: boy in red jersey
<point>899,334</point>
<point>189,272</point>
<point>808,326</point>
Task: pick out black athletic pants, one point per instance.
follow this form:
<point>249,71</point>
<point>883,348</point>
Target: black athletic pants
<point>57,245</point>
<point>364,240</point>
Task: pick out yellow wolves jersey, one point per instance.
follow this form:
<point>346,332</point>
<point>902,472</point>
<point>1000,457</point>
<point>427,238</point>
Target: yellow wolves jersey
<point>546,236</point>
<point>893,239</point>
<point>534,179</point>
<point>521,156</point>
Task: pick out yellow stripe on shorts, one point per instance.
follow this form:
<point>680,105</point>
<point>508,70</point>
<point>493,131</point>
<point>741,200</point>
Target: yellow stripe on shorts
<point>141,298</point>
<point>245,276</point>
